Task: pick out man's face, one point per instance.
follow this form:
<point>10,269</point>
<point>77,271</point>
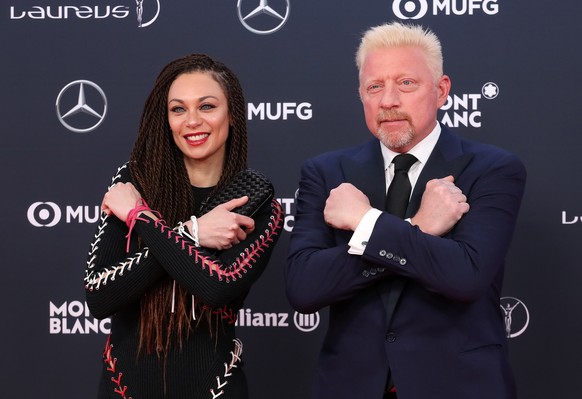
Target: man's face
<point>400,96</point>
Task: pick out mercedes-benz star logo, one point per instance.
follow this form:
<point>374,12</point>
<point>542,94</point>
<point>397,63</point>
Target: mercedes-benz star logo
<point>81,117</point>
<point>265,19</point>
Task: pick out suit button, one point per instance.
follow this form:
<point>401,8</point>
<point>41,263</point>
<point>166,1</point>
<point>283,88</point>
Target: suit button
<point>391,337</point>
<point>382,253</point>
<point>381,269</point>
<point>389,255</point>
<point>403,261</point>
<point>373,271</point>
<point>366,273</point>
<point>396,259</point>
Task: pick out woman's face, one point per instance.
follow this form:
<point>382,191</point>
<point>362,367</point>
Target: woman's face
<point>198,116</point>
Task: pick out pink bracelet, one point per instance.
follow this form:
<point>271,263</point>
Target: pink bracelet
<point>132,217</point>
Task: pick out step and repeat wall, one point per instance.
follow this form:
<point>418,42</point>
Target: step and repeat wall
<point>75,75</point>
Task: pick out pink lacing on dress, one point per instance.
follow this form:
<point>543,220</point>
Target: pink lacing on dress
<point>111,363</point>
<point>244,261</point>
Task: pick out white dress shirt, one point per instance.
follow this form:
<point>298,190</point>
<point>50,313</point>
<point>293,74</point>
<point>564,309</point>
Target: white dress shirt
<point>422,152</point>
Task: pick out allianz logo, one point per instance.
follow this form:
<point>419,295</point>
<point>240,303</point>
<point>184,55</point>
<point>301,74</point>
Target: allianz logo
<point>66,12</point>
<point>303,322</point>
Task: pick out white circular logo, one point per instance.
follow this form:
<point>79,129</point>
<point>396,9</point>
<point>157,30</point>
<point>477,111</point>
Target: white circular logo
<point>139,9</point>
<point>265,18</point>
<point>515,315</point>
<point>44,214</point>
<point>409,9</point>
<point>81,106</point>
<point>306,322</point>
<point>490,90</point>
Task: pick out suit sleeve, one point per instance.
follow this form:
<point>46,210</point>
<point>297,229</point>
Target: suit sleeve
<point>468,260</point>
<point>319,270</point>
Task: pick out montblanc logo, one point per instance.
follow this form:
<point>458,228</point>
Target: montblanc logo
<point>288,205</point>
<point>416,9</point>
<point>147,11</point>
<point>463,109</point>
<point>74,317</point>
<point>264,18</point>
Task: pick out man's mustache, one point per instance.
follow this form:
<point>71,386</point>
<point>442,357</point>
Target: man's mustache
<point>392,115</point>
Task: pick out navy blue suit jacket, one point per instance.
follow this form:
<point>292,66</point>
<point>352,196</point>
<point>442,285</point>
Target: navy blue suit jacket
<point>446,337</point>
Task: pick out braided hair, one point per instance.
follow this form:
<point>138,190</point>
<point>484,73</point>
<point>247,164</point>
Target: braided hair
<point>158,169</point>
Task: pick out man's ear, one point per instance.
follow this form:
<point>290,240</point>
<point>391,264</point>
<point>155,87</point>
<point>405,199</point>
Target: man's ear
<point>443,89</point>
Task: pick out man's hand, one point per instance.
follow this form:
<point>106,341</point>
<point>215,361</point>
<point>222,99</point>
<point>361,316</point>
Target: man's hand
<point>442,206</point>
<point>221,229</point>
<point>345,207</point>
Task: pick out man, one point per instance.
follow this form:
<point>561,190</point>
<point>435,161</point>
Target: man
<point>414,298</point>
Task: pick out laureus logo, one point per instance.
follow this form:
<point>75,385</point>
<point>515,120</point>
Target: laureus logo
<point>149,9</point>
<point>515,315</point>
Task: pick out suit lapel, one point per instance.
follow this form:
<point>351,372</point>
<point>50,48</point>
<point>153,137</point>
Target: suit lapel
<point>446,159</point>
<point>365,170</point>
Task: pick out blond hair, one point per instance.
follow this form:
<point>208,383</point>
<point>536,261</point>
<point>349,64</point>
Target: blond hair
<point>396,34</point>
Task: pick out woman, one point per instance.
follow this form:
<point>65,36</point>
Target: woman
<point>173,294</point>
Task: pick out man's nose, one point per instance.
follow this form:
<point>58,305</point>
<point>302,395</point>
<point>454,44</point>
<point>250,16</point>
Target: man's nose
<point>390,97</point>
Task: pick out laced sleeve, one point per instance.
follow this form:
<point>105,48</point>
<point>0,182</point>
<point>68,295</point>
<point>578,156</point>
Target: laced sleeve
<point>115,278</point>
<point>217,278</point>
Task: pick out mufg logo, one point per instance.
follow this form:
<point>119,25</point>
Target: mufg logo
<point>416,9</point>
<point>49,214</point>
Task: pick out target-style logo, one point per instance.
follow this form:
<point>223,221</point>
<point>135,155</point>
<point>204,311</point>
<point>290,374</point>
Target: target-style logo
<point>44,214</point>
<point>410,9</point>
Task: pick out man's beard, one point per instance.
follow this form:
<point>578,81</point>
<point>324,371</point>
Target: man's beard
<point>395,140</point>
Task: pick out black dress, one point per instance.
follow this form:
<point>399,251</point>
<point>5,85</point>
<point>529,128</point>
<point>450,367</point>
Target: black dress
<point>208,365</point>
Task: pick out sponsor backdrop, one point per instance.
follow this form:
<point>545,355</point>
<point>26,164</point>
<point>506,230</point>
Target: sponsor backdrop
<point>74,78</point>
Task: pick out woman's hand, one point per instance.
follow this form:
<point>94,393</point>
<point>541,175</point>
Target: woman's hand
<point>220,228</point>
<point>120,199</point>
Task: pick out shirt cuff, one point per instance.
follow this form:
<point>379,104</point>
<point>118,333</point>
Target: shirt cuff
<point>363,232</point>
